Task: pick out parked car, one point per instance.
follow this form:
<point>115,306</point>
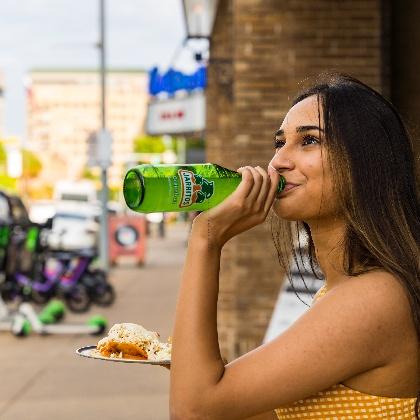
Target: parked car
<point>73,228</point>
<point>75,191</point>
<point>42,210</point>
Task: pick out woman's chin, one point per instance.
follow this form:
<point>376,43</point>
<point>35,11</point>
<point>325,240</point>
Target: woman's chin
<point>288,213</point>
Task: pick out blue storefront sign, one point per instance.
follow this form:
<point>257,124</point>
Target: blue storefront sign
<point>174,80</point>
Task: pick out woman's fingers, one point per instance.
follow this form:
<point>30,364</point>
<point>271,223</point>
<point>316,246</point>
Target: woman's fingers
<point>274,183</point>
<point>245,208</point>
<point>267,193</point>
<point>265,187</point>
<point>245,187</point>
<point>257,189</point>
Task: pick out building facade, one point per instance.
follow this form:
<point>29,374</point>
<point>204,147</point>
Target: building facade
<point>64,109</point>
<point>261,51</point>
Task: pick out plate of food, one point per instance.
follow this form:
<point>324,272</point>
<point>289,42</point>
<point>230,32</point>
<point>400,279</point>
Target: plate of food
<point>130,343</point>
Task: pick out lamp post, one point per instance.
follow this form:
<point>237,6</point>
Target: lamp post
<point>199,18</point>
<point>104,145</point>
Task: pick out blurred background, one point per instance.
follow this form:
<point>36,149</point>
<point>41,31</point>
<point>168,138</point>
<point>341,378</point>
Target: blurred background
<point>89,89</point>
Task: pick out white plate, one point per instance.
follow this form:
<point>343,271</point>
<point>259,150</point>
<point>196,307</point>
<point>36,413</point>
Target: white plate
<point>92,353</point>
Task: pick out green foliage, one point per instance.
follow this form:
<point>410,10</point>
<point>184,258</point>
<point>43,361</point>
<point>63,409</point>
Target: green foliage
<point>114,193</point>
<point>174,145</point>
<point>3,159</point>
<point>3,156</point>
<point>31,169</point>
<point>195,143</point>
<point>156,144</point>
<point>31,164</point>
<point>90,174</point>
<point>7,183</point>
<point>149,144</point>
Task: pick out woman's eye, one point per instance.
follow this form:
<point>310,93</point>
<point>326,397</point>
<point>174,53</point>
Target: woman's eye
<point>310,140</point>
<point>278,143</point>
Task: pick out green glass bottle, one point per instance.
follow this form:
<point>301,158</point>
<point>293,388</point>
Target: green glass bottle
<point>170,188</point>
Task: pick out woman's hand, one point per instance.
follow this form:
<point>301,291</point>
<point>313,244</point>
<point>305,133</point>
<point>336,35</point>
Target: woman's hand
<point>245,208</point>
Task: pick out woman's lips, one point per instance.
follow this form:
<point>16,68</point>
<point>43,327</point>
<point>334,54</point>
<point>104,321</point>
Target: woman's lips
<point>289,186</point>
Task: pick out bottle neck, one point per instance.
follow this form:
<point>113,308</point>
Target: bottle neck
<point>282,184</point>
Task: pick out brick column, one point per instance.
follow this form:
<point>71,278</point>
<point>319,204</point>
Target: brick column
<point>405,63</point>
<point>261,50</point>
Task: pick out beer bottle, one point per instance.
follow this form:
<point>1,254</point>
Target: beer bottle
<point>170,188</point>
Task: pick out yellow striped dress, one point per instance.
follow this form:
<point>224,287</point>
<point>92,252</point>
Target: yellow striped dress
<point>340,402</point>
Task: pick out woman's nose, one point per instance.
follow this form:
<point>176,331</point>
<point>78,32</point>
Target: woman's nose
<point>281,162</point>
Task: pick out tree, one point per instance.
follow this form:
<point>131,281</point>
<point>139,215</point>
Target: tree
<point>7,183</point>
<point>3,159</point>
<point>90,174</point>
<point>31,164</point>
<point>3,156</point>
<point>149,144</point>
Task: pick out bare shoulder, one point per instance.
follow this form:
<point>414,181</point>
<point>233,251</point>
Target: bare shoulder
<point>377,298</point>
<point>360,325</point>
<point>380,288</point>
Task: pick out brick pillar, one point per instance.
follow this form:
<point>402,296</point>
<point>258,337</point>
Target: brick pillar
<point>405,63</point>
<point>261,50</point>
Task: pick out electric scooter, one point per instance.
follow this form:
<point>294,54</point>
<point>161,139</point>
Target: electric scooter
<point>24,318</point>
<point>37,282</point>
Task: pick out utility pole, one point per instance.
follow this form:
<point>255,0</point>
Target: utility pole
<point>103,243</point>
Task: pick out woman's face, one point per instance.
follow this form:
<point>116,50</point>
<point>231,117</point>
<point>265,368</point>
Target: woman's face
<point>302,159</point>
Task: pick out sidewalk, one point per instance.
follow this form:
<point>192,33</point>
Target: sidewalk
<point>42,377</point>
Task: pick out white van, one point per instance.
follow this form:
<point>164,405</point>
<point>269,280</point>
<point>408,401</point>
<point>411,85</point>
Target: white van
<point>76,191</point>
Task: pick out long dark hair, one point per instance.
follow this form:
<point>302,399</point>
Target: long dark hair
<point>374,167</point>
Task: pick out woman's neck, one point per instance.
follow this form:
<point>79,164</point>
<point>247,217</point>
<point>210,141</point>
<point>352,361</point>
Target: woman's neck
<point>328,238</point>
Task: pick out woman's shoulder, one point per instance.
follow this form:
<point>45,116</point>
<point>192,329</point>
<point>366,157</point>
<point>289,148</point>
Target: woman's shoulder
<point>383,293</point>
<point>385,303</point>
<point>379,283</point>
<point>373,309</point>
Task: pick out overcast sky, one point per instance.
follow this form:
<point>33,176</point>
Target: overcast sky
<point>63,33</point>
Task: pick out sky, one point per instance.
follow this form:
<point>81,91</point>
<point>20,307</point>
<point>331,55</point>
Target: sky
<point>63,34</point>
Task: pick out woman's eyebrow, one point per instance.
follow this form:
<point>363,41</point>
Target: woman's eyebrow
<point>302,128</point>
<point>299,129</point>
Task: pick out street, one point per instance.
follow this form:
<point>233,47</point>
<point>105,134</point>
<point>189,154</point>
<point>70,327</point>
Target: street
<point>42,377</point>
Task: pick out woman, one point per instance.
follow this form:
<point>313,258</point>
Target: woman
<point>350,171</point>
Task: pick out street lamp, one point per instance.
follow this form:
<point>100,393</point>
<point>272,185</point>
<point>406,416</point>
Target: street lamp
<point>104,144</point>
<point>199,17</point>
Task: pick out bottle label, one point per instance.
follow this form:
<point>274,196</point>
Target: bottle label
<point>195,188</point>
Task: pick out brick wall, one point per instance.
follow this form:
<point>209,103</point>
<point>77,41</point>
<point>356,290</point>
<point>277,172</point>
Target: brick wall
<point>405,63</point>
<point>261,50</point>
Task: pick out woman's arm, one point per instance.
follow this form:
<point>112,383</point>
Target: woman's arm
<point>196,360</point>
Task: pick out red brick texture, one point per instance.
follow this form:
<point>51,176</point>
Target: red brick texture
<point>260,52</point>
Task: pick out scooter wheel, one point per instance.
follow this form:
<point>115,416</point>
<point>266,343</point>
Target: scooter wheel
<point>53,312</point>
<point>78,299</point>
<point>104,295</point>
<point>99,322</point>
<point>40,298</point>
<point>46,318</point>
<point>56,308</point>
<point>24,329</point>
